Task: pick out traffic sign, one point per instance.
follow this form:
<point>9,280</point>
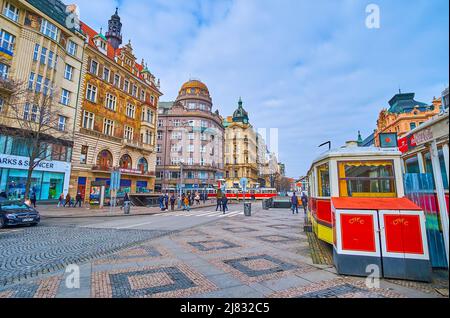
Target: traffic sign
<point>244,182</point>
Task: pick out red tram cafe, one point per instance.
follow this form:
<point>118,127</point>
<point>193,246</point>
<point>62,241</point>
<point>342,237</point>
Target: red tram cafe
<point>358,205</point>
<point>426,166</point>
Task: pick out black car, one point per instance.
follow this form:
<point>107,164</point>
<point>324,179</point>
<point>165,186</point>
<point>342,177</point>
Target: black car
<point>17,213</point>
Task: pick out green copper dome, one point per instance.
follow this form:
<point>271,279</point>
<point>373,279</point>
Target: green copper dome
<point>240,115</point>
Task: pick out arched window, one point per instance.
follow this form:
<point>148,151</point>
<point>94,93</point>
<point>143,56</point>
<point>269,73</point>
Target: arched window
<point>125,162</point>
<point>105,159</point>
<point>143,165</point>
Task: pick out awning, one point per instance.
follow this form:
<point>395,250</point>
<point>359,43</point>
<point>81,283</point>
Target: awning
<point>374,204</point>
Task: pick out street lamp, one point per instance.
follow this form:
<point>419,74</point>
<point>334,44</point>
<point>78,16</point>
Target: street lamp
<point>181,182</point>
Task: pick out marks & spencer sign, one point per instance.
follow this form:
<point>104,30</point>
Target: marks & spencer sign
<point>17,162</point>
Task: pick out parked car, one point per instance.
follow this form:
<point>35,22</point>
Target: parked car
<point>17,213</point>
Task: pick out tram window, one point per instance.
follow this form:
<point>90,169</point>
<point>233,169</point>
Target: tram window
<point>412,165</point>
<point>367,179</point>
<point>324,180</point>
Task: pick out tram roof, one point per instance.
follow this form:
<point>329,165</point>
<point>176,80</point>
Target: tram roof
<point>355,151</point>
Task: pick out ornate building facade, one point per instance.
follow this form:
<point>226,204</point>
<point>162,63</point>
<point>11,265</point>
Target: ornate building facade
<point>116,123</point>
<point>42,53</point>
<point>190,138</point>
<point>241,149</point>
<point>404,114</point>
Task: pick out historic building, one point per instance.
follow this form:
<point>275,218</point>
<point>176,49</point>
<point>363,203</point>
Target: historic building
<point>116,123</point>
<point>41,54</point>
<point>190,139</point>
<point>404,115</point>
<point>241,149</point>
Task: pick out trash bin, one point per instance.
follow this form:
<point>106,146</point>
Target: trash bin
<point>126,207</point>
<point>265,204</point>
<point>248,209</point>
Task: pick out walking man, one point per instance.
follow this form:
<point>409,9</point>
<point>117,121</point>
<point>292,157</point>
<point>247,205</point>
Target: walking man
<point>161,202</point>
<point>219,203</point>
<point>166,201</point>
<point>294,201</point>
<point>78,200</point>
<point>224,204</point>
<point>305,201</point>
<point>172,202</point>
<point>68,200</point>
<point>33,199</point>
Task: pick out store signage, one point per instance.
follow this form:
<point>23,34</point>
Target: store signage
<point>423,136</point>
<point>17,162</point>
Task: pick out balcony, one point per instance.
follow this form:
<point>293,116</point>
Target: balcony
<point>137,145</point>
<point>102,168</point>
<point>137,172</point>
<point>8,86</point>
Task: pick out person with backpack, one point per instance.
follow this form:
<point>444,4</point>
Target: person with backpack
<point>305,202</point>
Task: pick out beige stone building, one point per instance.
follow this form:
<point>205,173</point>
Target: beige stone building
<point>241,150</point>
<point>41,50</point>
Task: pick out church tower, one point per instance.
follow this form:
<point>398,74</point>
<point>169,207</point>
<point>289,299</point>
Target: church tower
<point>114,34</point>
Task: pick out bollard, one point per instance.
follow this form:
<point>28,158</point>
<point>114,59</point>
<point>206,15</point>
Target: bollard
<point>126,207</point>
<point>248,209</point>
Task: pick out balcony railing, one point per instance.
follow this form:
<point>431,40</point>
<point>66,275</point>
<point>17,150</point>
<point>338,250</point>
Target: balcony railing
<point>137,144</point>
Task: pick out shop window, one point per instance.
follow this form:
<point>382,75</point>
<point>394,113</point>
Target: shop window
<point>412,165</point>
<point>367,179</point>
<point>125,162</point>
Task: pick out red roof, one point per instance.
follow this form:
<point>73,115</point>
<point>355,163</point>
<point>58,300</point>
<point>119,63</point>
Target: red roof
<point>374,204</point>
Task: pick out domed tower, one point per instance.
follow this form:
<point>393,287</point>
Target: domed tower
<point>194,95</point>
<point>240,114</point>
<point>114,34</point>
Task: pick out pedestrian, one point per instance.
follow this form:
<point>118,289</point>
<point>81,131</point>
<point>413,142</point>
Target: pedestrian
<point>186,204</point>
<point>68,200</point>
<point>294,202</point>
<point>161,202</point>
<point>60,200</point>
<point>224,204</point>
<point>305,201</point>
<point>78,200</point>
<point>33,199</point>
<point>197,198</point>
<point>192,198</point>
<point>166,201</point>
<point>172,202</point>
<point>205,197</point>
<point>219,203</point>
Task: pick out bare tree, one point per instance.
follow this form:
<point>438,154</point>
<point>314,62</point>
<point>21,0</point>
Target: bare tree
<point>33,118</point>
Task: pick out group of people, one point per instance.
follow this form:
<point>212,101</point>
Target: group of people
<point>296,201</point>
<point>69,201</point>
<point>187,200</point>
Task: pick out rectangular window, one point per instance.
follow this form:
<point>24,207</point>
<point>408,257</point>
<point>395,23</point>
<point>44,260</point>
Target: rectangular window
<point>367,179</point>
<point>43,55</point>
<point>323,175</point>
<point>49,29</point>
<point>31,81</point>
<point>50,59</point>
<point>134,92</point>
<point>160,123</point>
<point>110,101</point>
<point>91,93</point>
<point>68,72</point>
<point>106,74</point>
<point>88,120</point>
<point>443,169</point>
<point>36,52</point>
<point>204,124</point>
<point>158,148</point>
<point>126,86</point>
<point>38,84</point>
<point>26,111</point>
<point>131,110</point>
<point>142,95</point>
<point>152,100</point>
<point>160,135</point>
<point>46,86</point>
<point>72,48</point>
<point>412,126</point>
<point>191,136</point>
<point>128,133</point>
<point>203,149</point>
<point>192,105</point>
<point>11,12</point>
<point>65,97</point>
<point>4,71</point>
<point>158,161</point>
<point>62,123</point>
<point>190,162</point>
<point>108,127</point>
<point>117,80</point>
<point>84,153</point>
<point>7,41</point>
<point>412,165</point>
<point>94,67</point>
<point>176,122</point>
<point>191,148</point>
<point>2,103</point>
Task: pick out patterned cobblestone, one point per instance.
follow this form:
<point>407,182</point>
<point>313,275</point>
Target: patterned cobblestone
<point>240,229</point>
<point>337,288</point>
<point>260,267</point>
<point>166,281</point>
<point>141,253</point>
<point>34,251</point>
<point>213,245</point>
<point>44,288</point>
<point>277,239</point>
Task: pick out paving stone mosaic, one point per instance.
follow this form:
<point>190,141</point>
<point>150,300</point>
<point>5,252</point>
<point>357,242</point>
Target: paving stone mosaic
<point>43,288</point>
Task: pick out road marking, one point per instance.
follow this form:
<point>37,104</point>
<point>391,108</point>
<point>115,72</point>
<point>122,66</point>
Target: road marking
<point>130,226</point>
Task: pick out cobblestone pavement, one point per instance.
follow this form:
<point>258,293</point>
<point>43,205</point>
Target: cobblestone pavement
<point>265,255</point>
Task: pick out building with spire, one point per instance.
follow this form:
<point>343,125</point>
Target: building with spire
<point>115,125</point>
<point>241,149</point>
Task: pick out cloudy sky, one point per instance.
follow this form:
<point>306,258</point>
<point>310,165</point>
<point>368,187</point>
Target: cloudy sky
<point>312,69</point>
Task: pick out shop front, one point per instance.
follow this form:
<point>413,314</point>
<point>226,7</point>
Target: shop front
<point>49,179</point>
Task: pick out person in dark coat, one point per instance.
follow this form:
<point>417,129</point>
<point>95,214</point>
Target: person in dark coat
<point>68,200</point>
<point>166,201</point>
<point>78,200</point>
<point>305,202</point>
<point>172,202</point>
<point>219,203</point>
<point>294,202</point>
<point>33,199</point>
<point>224,204</point>
<point>161,202</point>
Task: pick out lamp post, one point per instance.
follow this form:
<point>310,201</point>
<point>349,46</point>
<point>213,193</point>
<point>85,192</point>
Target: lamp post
<point>181,182</point>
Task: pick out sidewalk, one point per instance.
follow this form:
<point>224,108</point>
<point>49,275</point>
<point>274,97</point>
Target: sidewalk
<point>83,212</point>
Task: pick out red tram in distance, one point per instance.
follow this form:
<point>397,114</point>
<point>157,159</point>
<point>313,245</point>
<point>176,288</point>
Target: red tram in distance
<point>258,194</point>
